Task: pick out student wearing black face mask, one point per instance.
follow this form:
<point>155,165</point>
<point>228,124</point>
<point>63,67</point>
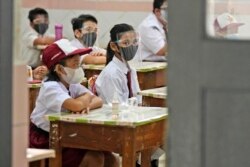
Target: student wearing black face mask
<point>85,32</point>
<point>36,35</point>
<point>117,76</point>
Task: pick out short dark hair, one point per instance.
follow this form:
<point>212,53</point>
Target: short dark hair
<point>78,22</point>
<point>88,17</point>
<point>158,3</point>
<point>37,11</point>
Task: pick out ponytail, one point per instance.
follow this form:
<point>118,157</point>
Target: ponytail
<point>110,54</point>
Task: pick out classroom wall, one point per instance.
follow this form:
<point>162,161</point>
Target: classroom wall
<point>107,13</point>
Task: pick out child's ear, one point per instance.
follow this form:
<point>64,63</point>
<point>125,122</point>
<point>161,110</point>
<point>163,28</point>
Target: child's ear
<point>77,33</point>
<point>157,12</point>
<point>114,47</point>
<point>59,69</point>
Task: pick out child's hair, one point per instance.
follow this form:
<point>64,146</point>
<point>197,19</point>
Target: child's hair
<point>118,28</point>
<point>76,23</point>
<point>88,17</point>
<point>37,11</point>
<point>158,3</point>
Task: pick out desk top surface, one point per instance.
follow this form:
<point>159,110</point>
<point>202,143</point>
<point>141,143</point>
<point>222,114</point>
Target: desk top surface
<point>38,85</point>
<point>139,66</point>
<point>160,93</point>
<point>132,116</point>
<point>34,85</point>
<point>34,154</point>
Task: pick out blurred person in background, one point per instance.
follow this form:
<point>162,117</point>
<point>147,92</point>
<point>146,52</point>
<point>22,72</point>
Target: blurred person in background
<point>36,36</point>
<point>153,33</point>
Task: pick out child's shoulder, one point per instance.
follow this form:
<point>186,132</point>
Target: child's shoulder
<point>50,84</point>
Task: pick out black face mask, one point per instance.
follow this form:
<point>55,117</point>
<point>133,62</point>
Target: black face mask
<point>129,52</point>
<point>41,28</point>
<point>89,39</point>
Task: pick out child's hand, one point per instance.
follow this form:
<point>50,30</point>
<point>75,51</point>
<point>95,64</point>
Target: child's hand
<point>40,72</point>
<point>97,54</point>
<point>84,111</point>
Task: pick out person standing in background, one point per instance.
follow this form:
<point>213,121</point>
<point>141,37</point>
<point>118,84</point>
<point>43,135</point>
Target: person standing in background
<point>85,32</point>
<point>36,36</point>
<point>153,33</point>
<point>226,26</point>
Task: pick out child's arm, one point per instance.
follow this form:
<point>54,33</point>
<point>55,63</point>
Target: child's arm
<point>45,40</point>
<point>96,102</point>
<point>78,104</point>
<point>94,58</point>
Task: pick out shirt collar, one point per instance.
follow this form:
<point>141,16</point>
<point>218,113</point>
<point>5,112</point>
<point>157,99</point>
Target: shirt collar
<point>154,21</point>
<point>121,65</point>
<point>77,43</point>
<point>63,88</point>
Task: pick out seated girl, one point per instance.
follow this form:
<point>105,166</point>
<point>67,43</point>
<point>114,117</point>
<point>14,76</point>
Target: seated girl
<point>61,91</point>
<point>118,77</point>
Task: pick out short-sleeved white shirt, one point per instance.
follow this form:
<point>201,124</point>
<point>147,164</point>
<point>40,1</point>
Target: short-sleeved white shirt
<point>153,38</point>
<point>113,78</point>
<point>30,54</point>
<point>50,99</point>
<point>75,42</point>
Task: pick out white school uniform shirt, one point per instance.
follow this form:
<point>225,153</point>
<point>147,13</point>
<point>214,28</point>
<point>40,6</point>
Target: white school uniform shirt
<point>113,78</point>
<point>153,38</point>
<point>75,42</point>
<point>51,96</point>
<point>30,54</point>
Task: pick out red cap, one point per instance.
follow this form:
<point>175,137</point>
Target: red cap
<point>60,49</point>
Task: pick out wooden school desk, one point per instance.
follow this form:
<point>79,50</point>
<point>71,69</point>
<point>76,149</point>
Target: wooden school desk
<point>33,93</point>
<point>150,74</point>
<point>141,130</point>
<point>37,157</point>
<point>156,97</point>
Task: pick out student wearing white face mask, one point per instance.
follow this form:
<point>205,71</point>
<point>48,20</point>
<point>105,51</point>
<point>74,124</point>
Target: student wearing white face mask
<point>61,92</point>
<point>153,34</point>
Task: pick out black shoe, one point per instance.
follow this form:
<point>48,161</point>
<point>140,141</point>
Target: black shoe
<point>155,163</point>
<point>137,165</point>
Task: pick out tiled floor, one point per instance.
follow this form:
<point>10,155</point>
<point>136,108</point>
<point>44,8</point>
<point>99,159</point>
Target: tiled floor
<point>161,161</point>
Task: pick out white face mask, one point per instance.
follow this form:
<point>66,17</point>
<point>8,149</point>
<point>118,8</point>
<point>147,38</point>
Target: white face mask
<point>164,13</point>
<point>73,76</point>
